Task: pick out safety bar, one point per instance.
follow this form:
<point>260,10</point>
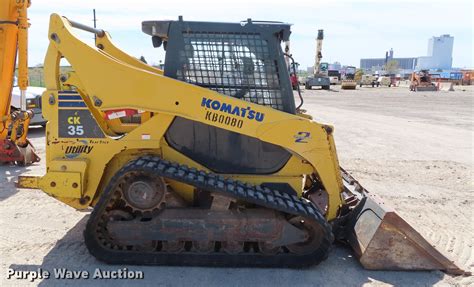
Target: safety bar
<point>99,32</point>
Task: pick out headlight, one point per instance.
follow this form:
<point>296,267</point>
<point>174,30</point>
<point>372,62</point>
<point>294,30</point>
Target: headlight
<point>30,103</point>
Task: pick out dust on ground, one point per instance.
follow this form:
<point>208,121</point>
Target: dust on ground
<point>415,150</point>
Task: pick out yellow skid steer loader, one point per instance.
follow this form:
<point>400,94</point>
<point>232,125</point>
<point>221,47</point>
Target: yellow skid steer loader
<point>206,162</point>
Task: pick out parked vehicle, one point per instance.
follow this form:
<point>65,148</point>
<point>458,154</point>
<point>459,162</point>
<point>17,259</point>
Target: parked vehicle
<point>369,80</point>
<point>348,82</point>
<point>385,81</point>
<point>320,71</point>
<point>33,102</point>
<point>334,77</point>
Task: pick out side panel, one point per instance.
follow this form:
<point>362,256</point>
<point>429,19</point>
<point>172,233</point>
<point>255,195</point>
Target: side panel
<point>224,151</point>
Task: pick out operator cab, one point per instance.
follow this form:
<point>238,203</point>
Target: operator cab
<point>243,60</point>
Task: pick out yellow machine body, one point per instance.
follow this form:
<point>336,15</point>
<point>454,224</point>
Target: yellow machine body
<point>165,98</point>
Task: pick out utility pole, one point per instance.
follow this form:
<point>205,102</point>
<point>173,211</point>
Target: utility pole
<point>95,24</point>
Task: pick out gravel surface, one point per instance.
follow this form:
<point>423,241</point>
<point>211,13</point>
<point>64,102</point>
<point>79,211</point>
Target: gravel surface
<point>415,150</point>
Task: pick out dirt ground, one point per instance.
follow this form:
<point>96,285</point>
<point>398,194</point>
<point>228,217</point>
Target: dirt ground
<point>415,150</point>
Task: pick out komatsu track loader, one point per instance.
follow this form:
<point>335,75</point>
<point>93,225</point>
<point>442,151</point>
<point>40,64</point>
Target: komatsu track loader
<point>206,162</point>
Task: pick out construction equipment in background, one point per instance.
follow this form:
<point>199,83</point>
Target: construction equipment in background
<point>293,70</point>
<point>467,77</point>
<point>348,82</point>
<point>334,77</point>
<point>456,78</point>
<point>294,81</point>
<point>369,80</point>
<point>176,162</point>
<point>385,81</point>
<point>421,81</point>
<point>33,103</point>
<point>14,144</point>
<point>320,70</point>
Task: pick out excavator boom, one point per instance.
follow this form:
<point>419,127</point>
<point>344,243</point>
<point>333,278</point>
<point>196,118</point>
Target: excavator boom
<point>14,145</point>
<point>8,51</point>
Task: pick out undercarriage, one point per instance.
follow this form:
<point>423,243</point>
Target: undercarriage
<point>139,220</point>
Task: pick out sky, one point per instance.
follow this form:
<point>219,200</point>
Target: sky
<point>352,29</point>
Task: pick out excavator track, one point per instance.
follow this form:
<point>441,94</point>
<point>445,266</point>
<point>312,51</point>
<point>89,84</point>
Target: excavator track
<point>112,206</point>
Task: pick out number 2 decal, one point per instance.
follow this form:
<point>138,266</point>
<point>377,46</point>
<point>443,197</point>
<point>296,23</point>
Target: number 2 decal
<point>301,137</point>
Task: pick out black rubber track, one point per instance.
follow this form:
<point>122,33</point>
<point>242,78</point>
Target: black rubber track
<point>214,183</point>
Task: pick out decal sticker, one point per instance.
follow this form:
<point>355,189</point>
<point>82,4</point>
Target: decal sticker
<point>235,113</point>
<point>74,150</point>
<point>78,124</point>
<point>75,120</point>
<point>301,137</point>
<point>116,115</point>
<point>227,120</point>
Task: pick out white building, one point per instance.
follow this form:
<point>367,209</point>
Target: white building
<point>440,54</point>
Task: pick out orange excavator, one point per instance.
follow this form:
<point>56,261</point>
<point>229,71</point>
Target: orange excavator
<point>14,145</point>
